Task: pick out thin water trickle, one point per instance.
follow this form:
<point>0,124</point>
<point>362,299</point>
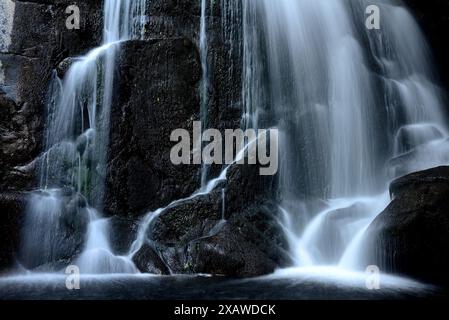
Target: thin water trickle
<point>223,204</point>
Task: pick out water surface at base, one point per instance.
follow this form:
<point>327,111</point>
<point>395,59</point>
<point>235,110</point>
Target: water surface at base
<point>284,285</point>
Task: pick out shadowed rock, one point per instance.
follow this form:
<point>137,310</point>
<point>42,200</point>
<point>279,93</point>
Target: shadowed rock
<point>410,236</point>
<point>12,206</point>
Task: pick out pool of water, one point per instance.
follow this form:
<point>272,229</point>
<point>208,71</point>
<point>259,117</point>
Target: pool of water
<point>288,284</point>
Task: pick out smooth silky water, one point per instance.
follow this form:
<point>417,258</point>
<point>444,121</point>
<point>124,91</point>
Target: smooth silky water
<point>347,101</point>
<point>356,109</point>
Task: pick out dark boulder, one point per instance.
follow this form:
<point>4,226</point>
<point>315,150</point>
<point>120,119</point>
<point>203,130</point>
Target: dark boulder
<point>12,207</point>
<point>232,231</point>
<point>250,244</point>
<point>123,232</point>
<point>64,66</point>
<point>148,260</point>
<point>192,238</point>
<point>410,237</point>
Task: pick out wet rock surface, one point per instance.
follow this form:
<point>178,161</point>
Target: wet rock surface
<point>159,84</point>
<point>38,42</point>
<point>123,232</point>
<point>12,206</point>
<point>410,237</point>
<point>53,230</point>
<point>230,232</point>
<point>158,89</point>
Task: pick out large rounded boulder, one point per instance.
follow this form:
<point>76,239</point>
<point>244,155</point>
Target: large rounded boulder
<point>410,237</point>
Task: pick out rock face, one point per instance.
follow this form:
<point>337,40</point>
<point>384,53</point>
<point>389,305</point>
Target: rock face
<point>410,236</point>
<point>158,85</point>
<point>34,40</point>
<point>193,238</point>
<point>189,237</point>
<point>232,232</point>
<point>434,19</point>
<point>157,93</point>
<point>12,206</point>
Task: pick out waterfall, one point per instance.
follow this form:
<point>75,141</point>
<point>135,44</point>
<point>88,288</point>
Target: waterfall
<point>355,108</point>
<point>73,167</point>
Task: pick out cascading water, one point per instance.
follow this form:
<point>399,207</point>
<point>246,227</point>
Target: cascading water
<point>355,109</point>
<point>347,101</point>
<point>74,164</point>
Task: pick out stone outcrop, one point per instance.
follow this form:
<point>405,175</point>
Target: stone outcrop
<point>12,207</point>
<point>232,231</point>
<point>157,93</point>
<point>410,237</point>
<point>34,41</point>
